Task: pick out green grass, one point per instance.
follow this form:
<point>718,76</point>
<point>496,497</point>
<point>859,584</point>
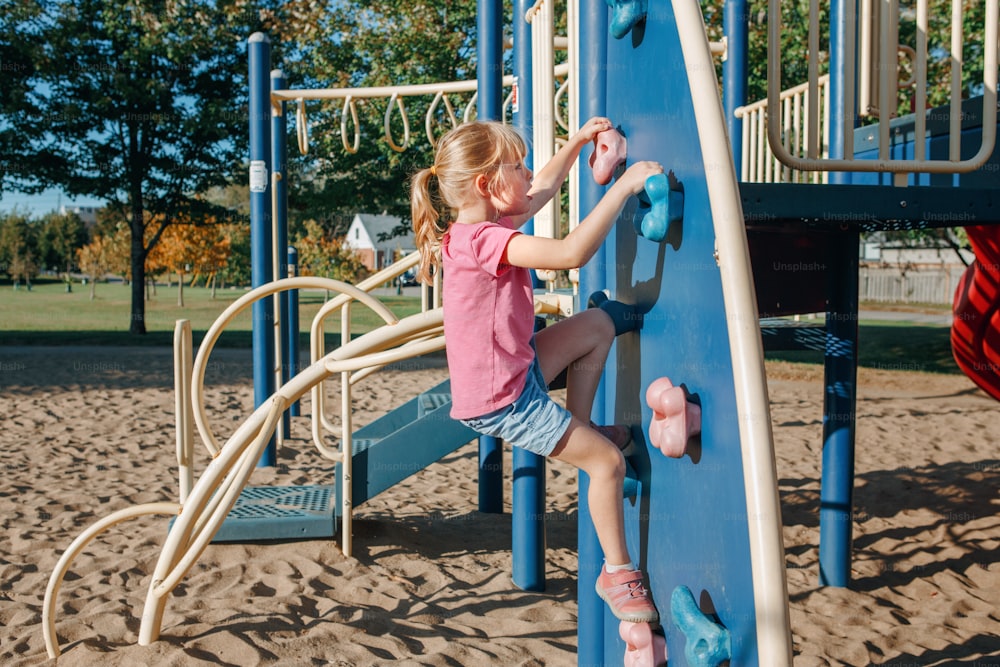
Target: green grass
<point>49,315</point>
<point>901,346</point>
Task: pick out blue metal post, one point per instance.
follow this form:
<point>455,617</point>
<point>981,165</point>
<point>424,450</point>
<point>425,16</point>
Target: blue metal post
<point>841,356</point>
<point>528,520</point>
<point>291,340</point>
<point>489,79</point>
<point>839,42</point>
<point>593,102</point>
<point>841,371</point>
<point>734,72</point>
<point>279,163</point>
<point>262,314</point>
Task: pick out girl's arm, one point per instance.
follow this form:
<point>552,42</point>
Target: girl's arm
<point>579,246</point>
<point>549,179</point>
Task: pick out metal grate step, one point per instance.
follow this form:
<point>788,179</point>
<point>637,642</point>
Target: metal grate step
<point>280,512</point>
<point>431,401</point>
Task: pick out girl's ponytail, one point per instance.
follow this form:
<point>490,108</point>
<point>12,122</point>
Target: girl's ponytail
<point>428,227</point>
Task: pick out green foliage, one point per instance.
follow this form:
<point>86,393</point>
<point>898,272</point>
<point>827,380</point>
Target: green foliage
<point>58,240</point>
<point>796,56</point>
<point>321,254</point>
<point>141,104</point>
<point>376,43</point>
<point>18,247</point>
<point>237,268</point>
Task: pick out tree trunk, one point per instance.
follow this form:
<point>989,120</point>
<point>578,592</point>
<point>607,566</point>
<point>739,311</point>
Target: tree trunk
<point>180,289</point>
<point>137,323</point>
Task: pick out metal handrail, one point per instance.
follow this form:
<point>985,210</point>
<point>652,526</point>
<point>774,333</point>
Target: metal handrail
<point>887,68</point>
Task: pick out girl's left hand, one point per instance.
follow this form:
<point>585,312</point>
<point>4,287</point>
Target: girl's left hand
<point>593,127</point>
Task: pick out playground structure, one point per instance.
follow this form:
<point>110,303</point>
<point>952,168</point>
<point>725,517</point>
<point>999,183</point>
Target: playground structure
<point>728,547</point>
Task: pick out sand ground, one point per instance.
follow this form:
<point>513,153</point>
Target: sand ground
<point>86,431</point>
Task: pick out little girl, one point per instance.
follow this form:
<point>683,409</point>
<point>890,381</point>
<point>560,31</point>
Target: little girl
<point>466,211</point>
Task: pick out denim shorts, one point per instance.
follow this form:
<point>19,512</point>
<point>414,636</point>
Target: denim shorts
<point>533,421</point>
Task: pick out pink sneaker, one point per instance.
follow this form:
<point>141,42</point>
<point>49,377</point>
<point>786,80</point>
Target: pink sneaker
<point>625,595</point>
<point>619,435</point>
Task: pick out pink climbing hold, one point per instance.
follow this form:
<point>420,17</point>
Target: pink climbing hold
<point>675,419</point>
<point>609,153</point>
<point>643,647</point>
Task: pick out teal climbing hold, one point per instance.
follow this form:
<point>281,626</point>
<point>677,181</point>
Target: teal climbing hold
<point>624,15</point>
<point>708,643</point>
<point>666,207</point>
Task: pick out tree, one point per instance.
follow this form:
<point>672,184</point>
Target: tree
<point>95,262</point>
<point>236,269</point>
<point>19,248</point>
<point>61,234</point>
<point>191,248</point>
<point>140,104</point>
<point>383,42</point>
<point>322,254</point>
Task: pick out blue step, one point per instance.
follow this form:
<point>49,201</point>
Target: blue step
<point>427,433</point>
<point>280,513</point>
<point>387,451</point>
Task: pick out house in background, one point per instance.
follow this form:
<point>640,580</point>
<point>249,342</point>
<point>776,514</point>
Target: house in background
<point>370,237</point>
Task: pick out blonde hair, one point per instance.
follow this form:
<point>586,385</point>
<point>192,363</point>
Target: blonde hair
<point>461,155</point>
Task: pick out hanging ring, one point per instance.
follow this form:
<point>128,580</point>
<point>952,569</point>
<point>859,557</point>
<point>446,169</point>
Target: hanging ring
<point>468,115</point>
<point>302,127</point>
<point>349,107</point>
<point>406,124</point>
<point>429,118</point>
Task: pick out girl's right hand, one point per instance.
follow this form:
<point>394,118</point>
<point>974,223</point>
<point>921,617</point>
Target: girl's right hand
<point>635,176</point>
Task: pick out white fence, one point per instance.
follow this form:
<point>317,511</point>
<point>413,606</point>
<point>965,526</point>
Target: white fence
<point>893,285</point>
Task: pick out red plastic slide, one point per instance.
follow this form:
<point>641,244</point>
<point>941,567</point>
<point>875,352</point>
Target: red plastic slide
<point>975,332</point>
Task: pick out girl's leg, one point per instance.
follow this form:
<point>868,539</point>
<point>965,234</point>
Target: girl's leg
<point>586,449</point>
<point>578,344</point>
<point>620,587</point>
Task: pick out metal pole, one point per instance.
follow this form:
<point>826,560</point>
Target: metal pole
<point>528,520</point>
<point>841,356</point>
<point>840,380</point>
<point>279,162</point>
<point>262,313</point>
<point>734,71</point>
<point>489,77</point>
<point>592,87</point>
<point>292,328</point>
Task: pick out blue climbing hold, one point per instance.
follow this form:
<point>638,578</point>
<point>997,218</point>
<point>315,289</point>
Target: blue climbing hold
<point>624,15</point>
<point>666,206</point>
<point>708,643</point>
<point>624,316</point>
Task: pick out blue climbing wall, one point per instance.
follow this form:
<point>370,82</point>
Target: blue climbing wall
<point>689,524</point>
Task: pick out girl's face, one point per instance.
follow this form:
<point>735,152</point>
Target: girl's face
<point>514,181</point>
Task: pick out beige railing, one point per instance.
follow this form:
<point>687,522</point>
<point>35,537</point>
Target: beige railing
<point>204,505</point>
<point>878,76</point>
<point>803,134</point>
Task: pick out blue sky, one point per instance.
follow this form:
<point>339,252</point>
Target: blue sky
<point>42,203</point>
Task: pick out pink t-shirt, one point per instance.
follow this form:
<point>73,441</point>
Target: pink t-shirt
<point>489,318</point>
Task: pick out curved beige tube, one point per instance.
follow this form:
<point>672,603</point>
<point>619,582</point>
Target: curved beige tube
<point>75,547</point>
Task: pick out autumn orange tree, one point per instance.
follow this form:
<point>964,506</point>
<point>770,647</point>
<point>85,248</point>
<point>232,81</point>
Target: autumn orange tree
<point>188,248</point>
<point>322,254</point>
<point>107,252</point>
